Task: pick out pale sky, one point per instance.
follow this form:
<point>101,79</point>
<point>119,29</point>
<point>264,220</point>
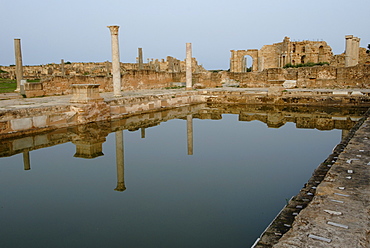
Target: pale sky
<point>76,30</point>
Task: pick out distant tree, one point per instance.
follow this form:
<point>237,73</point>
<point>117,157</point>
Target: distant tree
<point>368,48</point>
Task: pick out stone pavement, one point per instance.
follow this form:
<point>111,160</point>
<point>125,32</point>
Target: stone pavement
<point>339,214</point>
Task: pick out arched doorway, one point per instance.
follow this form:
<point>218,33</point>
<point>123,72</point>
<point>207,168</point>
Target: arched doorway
<point>247,63</point>
<point>303,59</point>
<point>321,54</point>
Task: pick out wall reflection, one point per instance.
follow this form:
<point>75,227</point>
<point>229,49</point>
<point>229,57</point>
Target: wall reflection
<point>89,138</point>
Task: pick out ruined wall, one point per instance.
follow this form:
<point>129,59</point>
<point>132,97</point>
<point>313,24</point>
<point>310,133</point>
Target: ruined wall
<point>308,77</point>
<point>98,69</point>
<point>278,55</point>
<point>130,81</point>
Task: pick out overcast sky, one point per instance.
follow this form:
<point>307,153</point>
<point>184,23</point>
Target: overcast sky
<point>75,30</point>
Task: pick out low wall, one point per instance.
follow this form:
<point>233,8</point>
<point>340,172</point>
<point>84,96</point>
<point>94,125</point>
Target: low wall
<point>26,120</point>
<point>22,120</point>
<point>130,80</point>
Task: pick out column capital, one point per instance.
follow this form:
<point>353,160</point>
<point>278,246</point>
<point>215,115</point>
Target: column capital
<point>113,29</point>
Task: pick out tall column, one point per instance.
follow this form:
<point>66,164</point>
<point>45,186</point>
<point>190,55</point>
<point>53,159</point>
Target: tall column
<point>189,127</point>
<point>189,75</point>
<point>140,54</point>
<point>120,162</point>
<point>349,50</point>
<point>356,50</point>
<point>62,67</point>
<point>18,63</point>
<point>116,70</point>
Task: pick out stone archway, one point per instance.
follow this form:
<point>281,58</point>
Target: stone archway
<point>238,62</point>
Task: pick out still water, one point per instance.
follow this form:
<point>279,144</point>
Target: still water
<point>80,187</point>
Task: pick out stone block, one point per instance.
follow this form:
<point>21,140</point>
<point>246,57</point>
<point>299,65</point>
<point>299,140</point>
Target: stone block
<point>33,86</point>
<point>290,84</point>
<point>357,93</point>
<point>21,124</point>
<point>275,90</point>
<point>85,93</point>
<point>39,121</point>
<point>340,92</point>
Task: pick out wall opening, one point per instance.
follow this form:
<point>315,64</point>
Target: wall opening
<point>248,63</point>
<point>303,59</point>
<point>321,54</point>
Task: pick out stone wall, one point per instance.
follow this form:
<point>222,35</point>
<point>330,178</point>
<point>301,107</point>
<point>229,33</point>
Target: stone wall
<point>308,77</point>
<point>130,81</point>
<point>98,68</point>
<point>278,55</point>
<point>286,52</point>
<point>88,106</point>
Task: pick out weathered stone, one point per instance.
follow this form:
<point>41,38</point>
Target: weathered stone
<point>290,84</point>
<point>21,124</point>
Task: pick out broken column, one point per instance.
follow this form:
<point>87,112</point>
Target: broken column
<point>352,50</point>
<point>18,63</point>
<point>140,61</point>
<point>116,70</point>
<point>189,76</point>
<point>62,67</point>
<point>356,50</point>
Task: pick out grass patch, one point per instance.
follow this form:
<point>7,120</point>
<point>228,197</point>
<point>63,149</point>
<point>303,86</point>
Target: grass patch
<point>174,87</point>
<point>309,64</point>
<point>7,85</point>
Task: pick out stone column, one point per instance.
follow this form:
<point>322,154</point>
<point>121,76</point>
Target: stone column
<point>356,50</point>
<point>349,50</point>
<point>189,127</point>
<point>62,67</point>
<point>140,54</point>
<point>120,162</point>
<point>116,70</point>
<point>18,63</point>
<point>189,75</point>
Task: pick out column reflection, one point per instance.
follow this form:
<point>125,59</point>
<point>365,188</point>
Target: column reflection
<point>120,162</point>
<point>189,125</point>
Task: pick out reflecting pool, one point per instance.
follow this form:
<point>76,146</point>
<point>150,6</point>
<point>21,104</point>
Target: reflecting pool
<point>200,176</point>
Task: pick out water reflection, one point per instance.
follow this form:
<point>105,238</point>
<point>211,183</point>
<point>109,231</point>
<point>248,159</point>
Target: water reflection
<point>120,162</point>
<point>88,139</point>
<point>223,195</point>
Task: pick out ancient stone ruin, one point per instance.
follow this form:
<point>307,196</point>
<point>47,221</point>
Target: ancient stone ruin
<point>286,52</point>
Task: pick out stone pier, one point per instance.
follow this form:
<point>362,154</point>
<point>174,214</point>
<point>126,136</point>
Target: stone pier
<point>189,75</point>
<point>116,68</point>
<point>18,63</point>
